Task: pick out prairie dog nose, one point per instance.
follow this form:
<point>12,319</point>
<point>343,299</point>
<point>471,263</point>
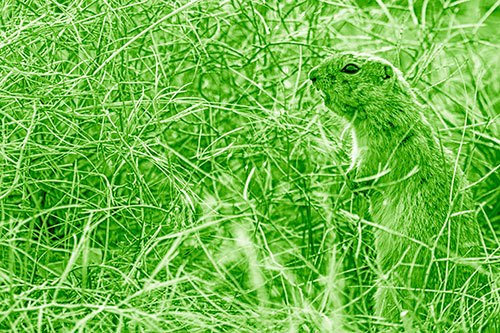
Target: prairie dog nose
<point>313,74</point>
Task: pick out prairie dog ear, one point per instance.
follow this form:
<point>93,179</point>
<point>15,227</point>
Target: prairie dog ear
<point>388,72</point>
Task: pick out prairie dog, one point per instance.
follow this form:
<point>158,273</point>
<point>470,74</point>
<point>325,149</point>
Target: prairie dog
<point>428,244</point>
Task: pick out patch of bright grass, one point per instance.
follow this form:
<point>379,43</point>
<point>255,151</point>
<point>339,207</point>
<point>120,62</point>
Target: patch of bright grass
<point>165,165</point>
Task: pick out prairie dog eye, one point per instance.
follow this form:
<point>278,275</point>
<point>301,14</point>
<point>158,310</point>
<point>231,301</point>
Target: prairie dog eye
<point>350,69</point>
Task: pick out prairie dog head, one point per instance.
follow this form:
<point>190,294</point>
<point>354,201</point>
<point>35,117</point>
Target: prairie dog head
<point>360,85</point>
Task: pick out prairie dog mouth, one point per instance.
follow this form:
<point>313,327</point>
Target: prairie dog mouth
<point>324,95</point>
<point>319,90</point>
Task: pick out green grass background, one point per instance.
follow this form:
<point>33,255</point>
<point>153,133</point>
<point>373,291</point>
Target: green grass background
<point>166,166</point>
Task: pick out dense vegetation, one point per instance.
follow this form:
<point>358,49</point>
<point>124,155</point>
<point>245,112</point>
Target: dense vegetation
<point>165,165</point>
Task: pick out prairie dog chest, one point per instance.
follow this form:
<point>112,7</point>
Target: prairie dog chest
<point>358,150</point>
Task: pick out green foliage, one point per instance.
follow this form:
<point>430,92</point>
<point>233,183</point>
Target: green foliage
<point>165,165</point>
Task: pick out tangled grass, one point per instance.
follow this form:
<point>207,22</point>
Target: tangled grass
<point>165,165</point>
